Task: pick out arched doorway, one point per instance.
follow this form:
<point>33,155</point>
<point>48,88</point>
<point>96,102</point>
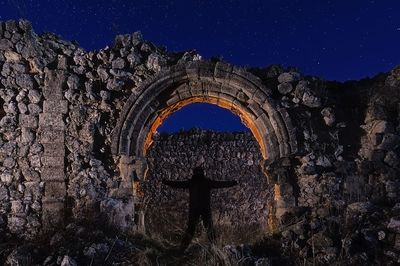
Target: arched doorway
<point>217,83</point>
<point>240,212</point>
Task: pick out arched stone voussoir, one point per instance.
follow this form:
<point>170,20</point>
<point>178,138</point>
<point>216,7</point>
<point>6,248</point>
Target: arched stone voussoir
<point>201,81</point>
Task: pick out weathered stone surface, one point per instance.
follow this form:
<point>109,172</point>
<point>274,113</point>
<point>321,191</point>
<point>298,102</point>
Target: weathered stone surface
<point>285,88</point>
<point>55,106</point>
<point>51,120</point>
<point>5,44</point>
<point>12,57</point>
<point>323,161</point>
<point>118,63</point>
<point>35,148</point>
<point>54,149</point>
<point>155,62</point>
<point>3,194</point>
<point>16,224</point>
<point>55,190</point>
<point>35,161</point>
<point>68,261</point>
<point>20,256</point>
<point>31,175</point>
<point>310,100</point>
<point>73,82</point>
<point>119,213</point>
<point>328,116</point>
<point>52,136</point>
<point>380,126</point>
<point>390,141</point>
<point>28,121</point>
<point>54,160</point>
<point>392,159</point>
<point>22,108</point>
<point>34,96</point>
<point>394,225</point>
<point>53,213</point>
<point>27,136</point>
<point>6,178</point>
<point>288,77</point>
<point>17,207</point>
<point>54,84</point>
<point>34,109</point>
<point>52,173</point>
<point>9,162</point>
<point>25,81</point>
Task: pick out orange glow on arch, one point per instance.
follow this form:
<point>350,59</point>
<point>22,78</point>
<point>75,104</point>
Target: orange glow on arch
<point>166,112</point>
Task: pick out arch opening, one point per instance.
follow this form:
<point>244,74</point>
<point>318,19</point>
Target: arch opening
<point>168,111</point>
<point>202,116</point>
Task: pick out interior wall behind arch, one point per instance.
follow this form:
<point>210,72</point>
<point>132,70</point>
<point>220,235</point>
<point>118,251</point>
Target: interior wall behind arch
<point>224,156</point>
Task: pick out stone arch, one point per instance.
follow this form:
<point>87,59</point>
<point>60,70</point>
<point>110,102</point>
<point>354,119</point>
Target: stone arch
<point>217,83</point>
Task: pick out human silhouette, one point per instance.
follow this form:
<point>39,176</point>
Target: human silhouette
<point>199,202</point>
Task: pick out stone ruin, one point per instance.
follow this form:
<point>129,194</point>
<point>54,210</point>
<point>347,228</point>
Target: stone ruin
<point>79,142</point>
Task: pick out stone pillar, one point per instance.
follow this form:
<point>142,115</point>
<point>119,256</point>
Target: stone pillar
<point>284,199</point>
<point>126,167</point>
<point>126,200</point>
<point>51,128</point>
<point>140,168</point>
<point>132,171</point>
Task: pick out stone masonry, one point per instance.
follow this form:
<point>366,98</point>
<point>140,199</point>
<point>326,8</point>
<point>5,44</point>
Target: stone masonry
<point>51,128</point>
<point>224,156</point>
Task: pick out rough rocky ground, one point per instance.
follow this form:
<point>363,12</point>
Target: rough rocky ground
<point>83,245</point>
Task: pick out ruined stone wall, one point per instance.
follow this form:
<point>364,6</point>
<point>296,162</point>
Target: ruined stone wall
<point>60,105</point>
<point>224,156</point>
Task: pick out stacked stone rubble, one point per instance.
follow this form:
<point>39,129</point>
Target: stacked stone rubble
<point>54,94</point>
<point>21,149</point>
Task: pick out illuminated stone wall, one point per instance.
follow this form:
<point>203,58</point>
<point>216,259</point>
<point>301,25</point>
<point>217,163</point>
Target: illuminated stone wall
<point>224,156</point>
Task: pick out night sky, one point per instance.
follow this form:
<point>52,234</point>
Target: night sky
<point>336,40</point>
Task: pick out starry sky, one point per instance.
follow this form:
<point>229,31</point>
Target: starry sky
<point>336,40</point>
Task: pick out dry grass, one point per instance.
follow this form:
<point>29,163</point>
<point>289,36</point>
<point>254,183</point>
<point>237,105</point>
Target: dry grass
<point>164,232</point>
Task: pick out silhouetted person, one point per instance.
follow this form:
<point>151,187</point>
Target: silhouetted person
<point>199,202</point>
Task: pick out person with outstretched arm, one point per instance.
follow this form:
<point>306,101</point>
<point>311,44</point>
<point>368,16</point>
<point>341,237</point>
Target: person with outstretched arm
<point>199,202</point>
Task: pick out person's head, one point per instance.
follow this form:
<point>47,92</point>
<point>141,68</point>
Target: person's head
<point>198,172</point>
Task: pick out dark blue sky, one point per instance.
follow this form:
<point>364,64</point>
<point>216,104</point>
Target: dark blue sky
<point>336,40</point>
<point>202,115</point>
